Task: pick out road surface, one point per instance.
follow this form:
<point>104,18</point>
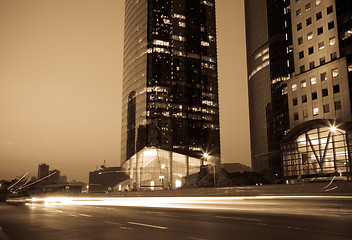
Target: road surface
<point>179,218</point>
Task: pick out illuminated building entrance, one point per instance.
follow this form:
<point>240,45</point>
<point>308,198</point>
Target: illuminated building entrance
<point>158,169</point>
<point>318,148</point>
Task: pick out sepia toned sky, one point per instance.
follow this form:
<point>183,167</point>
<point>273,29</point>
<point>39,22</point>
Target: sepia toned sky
<point>61,84</point>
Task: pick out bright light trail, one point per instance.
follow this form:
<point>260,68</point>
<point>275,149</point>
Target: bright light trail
<point>306,205</point>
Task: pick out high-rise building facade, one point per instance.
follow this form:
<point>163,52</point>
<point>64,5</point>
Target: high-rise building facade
<point>269,66</point>
<point>308,110</point>
<point>170,84</point>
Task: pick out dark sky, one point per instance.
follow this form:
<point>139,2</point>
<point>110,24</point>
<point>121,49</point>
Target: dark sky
<point>61,84</point>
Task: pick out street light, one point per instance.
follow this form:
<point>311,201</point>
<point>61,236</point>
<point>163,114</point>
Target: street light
<point>206,156</point>
<point>333,129</point>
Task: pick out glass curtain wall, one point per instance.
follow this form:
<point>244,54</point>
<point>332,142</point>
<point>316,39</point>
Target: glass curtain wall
<point>318,152</point>
<point>157,169</point>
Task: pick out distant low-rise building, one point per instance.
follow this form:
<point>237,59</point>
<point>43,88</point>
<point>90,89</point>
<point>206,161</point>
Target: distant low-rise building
<point>104,179</point>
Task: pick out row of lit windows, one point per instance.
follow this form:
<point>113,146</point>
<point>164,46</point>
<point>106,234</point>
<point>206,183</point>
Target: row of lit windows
<point>307,7</point>
<point>182,115</point>
<point>313,80</point>
<point>321,46</point>
<point>181,54</point>
<point>326,109</point>
<point>260,67</point>
<point>207,3</point>
<point>318,15</point>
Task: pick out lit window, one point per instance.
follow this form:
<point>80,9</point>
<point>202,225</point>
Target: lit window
<point>335,72</point>
<point>347,34</point>
<point>161,50</point>
<point>294,87</point>
<point>161,43</point>
<point>315,111</point>
<point>307,7</point>
<point>317,2</point>
<point>321,46</point>
<point>320,30</point>
<point>303,84</point>
<point>319,16</point>
<point>326,108</point>
<point>284,91</point>
<point>207,3</point>
<point>308,21</point>
<point>179,16</point>
<point>338,105</point>
<point>350,68</point>
<point>208,66</point>
<point>178,38</point>
<point>182,24</point>
<point>204,44</point>
<point>331,25</point>
<point>313,80</point>
<point>336,88</point>
<point>329,9</point>
<point>310,36</point>
<point>298,12</point>
<point>323,76</point>
<point>332,41</point>
<point>324,92</point>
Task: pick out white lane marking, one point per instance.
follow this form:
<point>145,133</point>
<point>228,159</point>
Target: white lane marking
<point>147,225</point>
<point>237,218</point>
<point>58,211</point>
<point>85,215</point>
<point>73,215</point>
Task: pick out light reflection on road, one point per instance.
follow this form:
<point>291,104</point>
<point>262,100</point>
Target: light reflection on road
<point>338,206</point>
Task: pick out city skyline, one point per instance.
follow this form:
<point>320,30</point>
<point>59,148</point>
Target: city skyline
<point>59,77</point>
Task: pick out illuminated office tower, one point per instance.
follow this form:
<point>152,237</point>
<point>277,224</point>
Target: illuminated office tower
<point>269,65</point>
<point>315,135</point>
<point>170,90</point>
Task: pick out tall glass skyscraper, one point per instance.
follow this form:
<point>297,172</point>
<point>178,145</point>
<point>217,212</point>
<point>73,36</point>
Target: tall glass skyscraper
<point>170,87</point>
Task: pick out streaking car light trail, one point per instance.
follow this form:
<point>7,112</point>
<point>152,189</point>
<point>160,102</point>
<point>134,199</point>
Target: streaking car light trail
<point>264,204</point>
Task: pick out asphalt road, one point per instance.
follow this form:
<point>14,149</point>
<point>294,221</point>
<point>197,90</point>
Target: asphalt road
<point>180,218</point>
